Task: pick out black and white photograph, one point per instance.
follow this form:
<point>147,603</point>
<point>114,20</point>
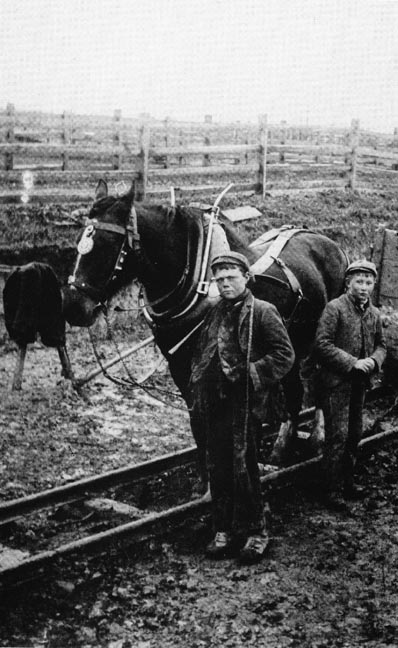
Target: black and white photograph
<point>198,324</point>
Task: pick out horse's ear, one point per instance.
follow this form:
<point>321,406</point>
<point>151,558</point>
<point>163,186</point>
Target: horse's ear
<point>101,190</point>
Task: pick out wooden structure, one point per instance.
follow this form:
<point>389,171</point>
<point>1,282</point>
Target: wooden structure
<point>68,150</point>
<point>385,256</point>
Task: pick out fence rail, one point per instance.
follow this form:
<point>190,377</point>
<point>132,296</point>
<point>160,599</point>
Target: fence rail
<point>66,148</point>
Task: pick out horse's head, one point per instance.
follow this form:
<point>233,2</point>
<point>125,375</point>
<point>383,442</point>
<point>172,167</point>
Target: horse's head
<point>103,247</point>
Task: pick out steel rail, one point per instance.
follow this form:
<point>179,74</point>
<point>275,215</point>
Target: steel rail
<point>152,521</point>
<point>9,510</point>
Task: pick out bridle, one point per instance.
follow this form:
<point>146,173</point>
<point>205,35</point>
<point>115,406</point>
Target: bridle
<point>131,242</point>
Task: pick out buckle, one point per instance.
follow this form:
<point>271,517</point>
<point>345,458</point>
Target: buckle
<point>203,287</point>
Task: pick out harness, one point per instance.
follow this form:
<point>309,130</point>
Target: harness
<point>280,238</point>
<point>181,300</point>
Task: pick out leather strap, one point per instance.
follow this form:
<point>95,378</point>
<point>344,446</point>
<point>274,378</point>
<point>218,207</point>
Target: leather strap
<point>266,260</point>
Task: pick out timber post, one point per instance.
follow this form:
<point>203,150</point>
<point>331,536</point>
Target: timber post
<point>354,142</point>
<point>66,138</point>
<point>143,162</point>
<point>10,136</point>
<point>117,117</point>
<point>181,160</point>
<point>207,141</point>
<point>166,140</point>
<point>262,154</point>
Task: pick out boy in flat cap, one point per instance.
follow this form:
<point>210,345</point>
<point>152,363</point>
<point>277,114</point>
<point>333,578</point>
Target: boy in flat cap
<point>349,347</point>
<point>243,349</point>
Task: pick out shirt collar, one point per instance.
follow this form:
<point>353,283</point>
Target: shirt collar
<point>362,308</point>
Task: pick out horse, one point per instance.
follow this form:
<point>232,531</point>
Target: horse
<point>168,250</point>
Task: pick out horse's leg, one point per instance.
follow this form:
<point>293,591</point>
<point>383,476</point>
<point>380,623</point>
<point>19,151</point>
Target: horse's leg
<point>180,369</point>
<point>294,392</point>
<point>17,380</point>
<point>65,363</point>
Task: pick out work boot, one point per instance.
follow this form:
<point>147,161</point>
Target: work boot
<point>254,549</point>
<point>220,547</point>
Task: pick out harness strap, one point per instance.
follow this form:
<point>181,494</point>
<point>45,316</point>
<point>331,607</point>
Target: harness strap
<point>133,236</point>
<point>290,276</point>
<point>271,256</point>
<point>266,260</point>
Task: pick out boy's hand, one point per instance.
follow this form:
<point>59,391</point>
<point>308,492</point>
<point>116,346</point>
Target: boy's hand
<point>367,365</point>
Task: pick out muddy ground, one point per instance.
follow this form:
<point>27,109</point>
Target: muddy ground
<point>329,579</point>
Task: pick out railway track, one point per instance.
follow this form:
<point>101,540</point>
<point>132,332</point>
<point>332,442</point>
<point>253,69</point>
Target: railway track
<point>41,529</point>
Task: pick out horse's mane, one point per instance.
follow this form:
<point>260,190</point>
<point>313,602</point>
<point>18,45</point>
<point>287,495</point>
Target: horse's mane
<point>190,216</point>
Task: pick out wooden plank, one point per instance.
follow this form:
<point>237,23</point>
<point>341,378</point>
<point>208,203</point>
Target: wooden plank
<point>204,188</point>
<point>375,169</point>
<point>11,558</point>
<point>377,153</point>
<point>205,170</point>
<point>241,213</point>
<point>210,149</point>
<point>336,149</point>
<point>388,270</point>
<point>44,149</point>
<point>376,257</point>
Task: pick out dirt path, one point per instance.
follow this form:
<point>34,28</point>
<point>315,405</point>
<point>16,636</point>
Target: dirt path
<point>50,435</point>
<point>329,579</point>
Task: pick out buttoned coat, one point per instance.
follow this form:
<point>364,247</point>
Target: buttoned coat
<point>271,353</point>
<point>343,329</point>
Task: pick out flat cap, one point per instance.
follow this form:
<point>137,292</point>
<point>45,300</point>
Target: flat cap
<point>233,258</point>
<point>361,265</point>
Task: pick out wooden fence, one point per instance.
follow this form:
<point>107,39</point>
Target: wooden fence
<point>66,152</point>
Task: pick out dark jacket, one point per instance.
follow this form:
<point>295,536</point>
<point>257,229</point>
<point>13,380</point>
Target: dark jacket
<point>271,353</point>
<point>345,333</point>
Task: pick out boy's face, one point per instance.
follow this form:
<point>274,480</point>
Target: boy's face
<point>360,285</point>
<point>231,281</point>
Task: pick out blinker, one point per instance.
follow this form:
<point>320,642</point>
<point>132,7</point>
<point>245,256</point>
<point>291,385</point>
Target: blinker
<point>86,242</point>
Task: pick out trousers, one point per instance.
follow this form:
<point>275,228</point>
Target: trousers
<point>231,449</point>
<point>343,412</point>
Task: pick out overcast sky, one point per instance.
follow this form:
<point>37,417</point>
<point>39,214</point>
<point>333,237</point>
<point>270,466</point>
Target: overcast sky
<point>304,61</point>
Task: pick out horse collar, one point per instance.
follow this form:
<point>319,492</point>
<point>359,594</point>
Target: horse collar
<point>133,237</point>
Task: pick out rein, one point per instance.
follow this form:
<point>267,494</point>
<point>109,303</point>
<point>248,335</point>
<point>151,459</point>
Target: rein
<point>131,381</point>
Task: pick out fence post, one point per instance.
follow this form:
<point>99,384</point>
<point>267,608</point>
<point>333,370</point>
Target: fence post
<point>207,142</point>
<point>262,153</point>
<point>66,138</point>
<point>180,143</point>
<point>143,162</point>
<point>117,117</point>
<point>354,141</point>
<point>166,141</point>
<point>10,136</point>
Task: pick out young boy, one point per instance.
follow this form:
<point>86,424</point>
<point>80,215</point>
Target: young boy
<point>349,347</point>
<point>243,349</point>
